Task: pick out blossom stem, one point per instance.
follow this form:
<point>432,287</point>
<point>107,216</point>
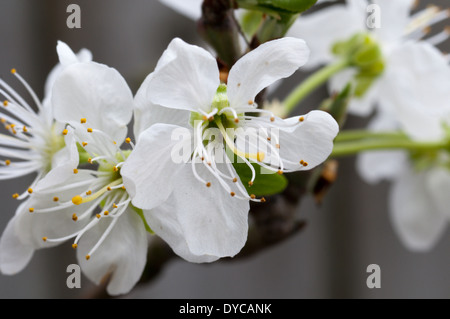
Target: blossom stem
<point>354,147</point>
<point>311,83</point>
<point>352,135</point>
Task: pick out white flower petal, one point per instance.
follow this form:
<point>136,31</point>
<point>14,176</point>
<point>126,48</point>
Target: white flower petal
<point>188,81</point>
<point>97,93</point>
<point>438,184</point>
<point>122,254</point>
<point>415,89</point>
<point>188,8</point>
<point>149,173</point>
<point>378,165</point>
<point>322,29</point>
<point>14,254</point>
<point>414,215</point>
<point>395,17</point>
<point>271,61</point>
<point>66,57</point>
<point>32,227</point>
<point>374,166</point>
<point>63,163</point>
<point>361,106</point>
<point>146,113</point>
<point>201,223</point>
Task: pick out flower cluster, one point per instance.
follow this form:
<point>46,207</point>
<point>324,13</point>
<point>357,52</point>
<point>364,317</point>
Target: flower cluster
<point>106,194</point>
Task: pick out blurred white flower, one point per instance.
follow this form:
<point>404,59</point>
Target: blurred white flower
<point>91,207</point>
<point>418,200</point>
<point>36,141</point>
<point>415,81</point>
<point>204,219</point>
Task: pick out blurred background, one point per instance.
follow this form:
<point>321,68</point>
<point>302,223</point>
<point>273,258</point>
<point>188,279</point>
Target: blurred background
<point>328,259</point>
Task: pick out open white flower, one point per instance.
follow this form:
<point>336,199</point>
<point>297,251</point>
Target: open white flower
<point>202,209</point>
<point>91,207</point>
<point>413,66</point>
<point>418,200</point>
<point>36,141</point>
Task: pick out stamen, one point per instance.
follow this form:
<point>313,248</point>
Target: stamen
<point>31,210</point>
<point>65,132</point>
<point>78,200</point>
<point>74,217</point>
<point>83,121</point>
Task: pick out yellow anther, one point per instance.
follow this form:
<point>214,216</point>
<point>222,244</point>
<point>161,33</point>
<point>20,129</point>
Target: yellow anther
<point>44,238</point>
<point>250,183</point>
<point>250,102</point>
<point>269,139</point>
<point>302,162</point>
<point>74,246</point>
<point>5,103</point>
<point>280,172</point>
<point>272,119</point>
<point>235,180</point>
<point>98,216</point>
<point>115,206</point>
<point>30,190</point>
<point>14,132</point>
<point>115,169</point>
<point>90,160</point>
<point>263,200</point>
<point>109,189</point>
<point>89,130</point>
<point>55,199</point>
<point>84,144</point>
<point>252,196</point>
<point>211,118</point>
<point>236,120</point>
<point>305,164</point>
<point>128,140</point>
<point>88,257</point>
<point>301,119</point>
<point>31,210</point>
<point>13,125</point>
<point>204,118</point>
<point>88,193</point>
<point>24,129</point>
<point>114,142</point>
<point>74,217</point>
<point>277,146</point>
<point>83,121</point>
<point>15,196</point>
<point>13,71</point>
<point>7,162</point>
<point>75,171</point>
<point>2,120</point>
<point>123,187</point>
<point>65,132</point>
<point>232,194</point>
<point>208,184</point>
<point>7,127</point>
<point>106,213</point>
<point>77,200</point>
<point>260,156</point>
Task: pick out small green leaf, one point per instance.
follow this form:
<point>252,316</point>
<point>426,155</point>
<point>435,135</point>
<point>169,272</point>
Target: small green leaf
<point>266,182</point>
<point>294,6</point>
<point>274,7</point>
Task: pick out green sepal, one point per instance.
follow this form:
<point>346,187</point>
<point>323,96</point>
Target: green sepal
<point>266,182</point>
<point>141,214</point>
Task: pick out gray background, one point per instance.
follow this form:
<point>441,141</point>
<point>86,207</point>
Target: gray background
<point>327,260</point>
